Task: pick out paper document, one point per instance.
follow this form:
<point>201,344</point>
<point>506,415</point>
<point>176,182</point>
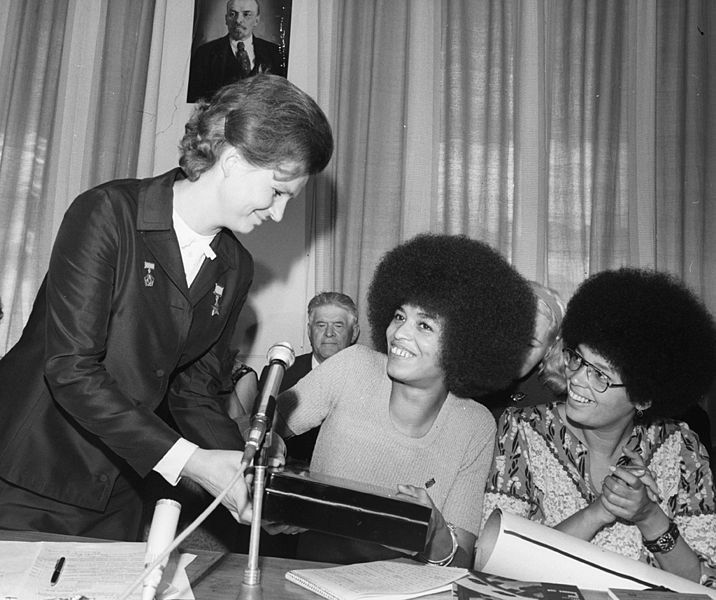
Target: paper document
<point>383,579</point>
<point>518,548</point>
<point>94,570</point>
<point>97,571</point>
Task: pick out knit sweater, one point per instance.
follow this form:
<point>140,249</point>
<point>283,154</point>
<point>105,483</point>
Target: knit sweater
<point>349,394</point>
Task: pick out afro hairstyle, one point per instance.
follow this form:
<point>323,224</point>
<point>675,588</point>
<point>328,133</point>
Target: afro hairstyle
<point>487,308</point>
<point>652,330</point>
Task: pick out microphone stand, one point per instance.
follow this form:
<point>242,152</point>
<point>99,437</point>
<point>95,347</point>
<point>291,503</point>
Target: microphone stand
<point>258,444</point>
<point>252,573</point>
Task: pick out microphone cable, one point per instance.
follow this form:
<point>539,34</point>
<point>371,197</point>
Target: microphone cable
<point>183,535</point>
<point>280,353</point>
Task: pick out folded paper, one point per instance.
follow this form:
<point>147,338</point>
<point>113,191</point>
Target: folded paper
<point>515,547</point>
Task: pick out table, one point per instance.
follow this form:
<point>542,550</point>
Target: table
<point>218,576</point>
<point>213,575</point>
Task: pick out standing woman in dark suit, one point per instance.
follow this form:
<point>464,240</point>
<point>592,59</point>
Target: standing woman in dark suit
<point>145,283</point>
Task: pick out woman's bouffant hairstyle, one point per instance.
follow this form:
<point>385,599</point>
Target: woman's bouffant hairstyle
<point>652,330</point>
<point>551,368</point>
<point>486,307</point>
<point>270,121</point>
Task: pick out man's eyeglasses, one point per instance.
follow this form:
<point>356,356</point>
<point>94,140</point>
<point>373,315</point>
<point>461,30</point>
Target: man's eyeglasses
<point>598,380</point>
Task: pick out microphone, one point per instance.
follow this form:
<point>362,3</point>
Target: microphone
<point>161,534</point>
<point>280,357</point>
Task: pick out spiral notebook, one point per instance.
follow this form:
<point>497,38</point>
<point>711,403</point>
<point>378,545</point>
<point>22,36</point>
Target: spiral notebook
<point>390,579</point>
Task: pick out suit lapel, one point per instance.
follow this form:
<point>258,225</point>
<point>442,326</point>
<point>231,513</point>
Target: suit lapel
<point>154,220</point>
<point>207,279</point>
<point>211,270</point>
<point>165,248</point>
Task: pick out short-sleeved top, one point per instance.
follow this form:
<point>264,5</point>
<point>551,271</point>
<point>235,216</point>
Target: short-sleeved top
<point>540,471</point>
<point>349,394</point>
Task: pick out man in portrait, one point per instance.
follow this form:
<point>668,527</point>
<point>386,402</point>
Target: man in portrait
<point>237,55</point>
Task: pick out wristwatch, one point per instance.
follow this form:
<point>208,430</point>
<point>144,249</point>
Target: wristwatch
<point>665,542</point>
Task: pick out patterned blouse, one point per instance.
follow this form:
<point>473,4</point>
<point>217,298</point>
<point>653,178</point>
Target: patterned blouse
<point>540,471</point>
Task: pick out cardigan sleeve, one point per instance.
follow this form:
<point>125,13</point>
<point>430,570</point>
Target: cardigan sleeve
<point>308,403</point>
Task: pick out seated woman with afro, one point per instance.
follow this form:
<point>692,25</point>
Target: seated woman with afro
<point>450,320</point>
<point>607,465</point>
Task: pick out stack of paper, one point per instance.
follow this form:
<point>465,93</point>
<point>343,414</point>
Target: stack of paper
<point>72,570</point>
<point>380,579</point>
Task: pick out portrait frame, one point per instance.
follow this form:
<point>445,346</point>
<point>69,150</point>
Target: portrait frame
<point>210,26</point>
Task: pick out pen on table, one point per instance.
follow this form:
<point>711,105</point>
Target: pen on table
<point>58,570</point>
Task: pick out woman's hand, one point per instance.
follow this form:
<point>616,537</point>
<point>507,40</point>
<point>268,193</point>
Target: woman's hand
<point>276,457</point>
<point>421,495</point>
<point>273,528</point>
<point>213,470</point>
<point>630,491</point>
<point>585,523</point>
<point>439,539</point>
<point>637,464</point>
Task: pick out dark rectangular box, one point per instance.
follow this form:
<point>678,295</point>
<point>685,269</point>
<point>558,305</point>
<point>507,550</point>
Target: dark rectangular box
<point>345,508</point>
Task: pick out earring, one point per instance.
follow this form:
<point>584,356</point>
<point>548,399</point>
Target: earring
<point>639,413</point>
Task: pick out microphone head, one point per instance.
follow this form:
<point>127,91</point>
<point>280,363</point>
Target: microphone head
<point>282,351</point>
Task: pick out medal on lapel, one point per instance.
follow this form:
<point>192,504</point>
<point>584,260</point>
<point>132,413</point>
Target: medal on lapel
<point>218,292</point>
<point>149,275</point>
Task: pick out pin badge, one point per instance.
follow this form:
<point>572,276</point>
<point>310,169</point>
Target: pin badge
<point>149,275</point>
<point>218,292</point>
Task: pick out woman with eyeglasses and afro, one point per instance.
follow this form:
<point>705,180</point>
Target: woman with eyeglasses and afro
<point>607,465</point>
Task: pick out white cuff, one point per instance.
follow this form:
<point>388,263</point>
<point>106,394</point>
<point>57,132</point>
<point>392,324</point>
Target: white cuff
<point>172,463</point>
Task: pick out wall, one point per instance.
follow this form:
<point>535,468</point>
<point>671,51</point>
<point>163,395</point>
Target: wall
<point>283,252</point>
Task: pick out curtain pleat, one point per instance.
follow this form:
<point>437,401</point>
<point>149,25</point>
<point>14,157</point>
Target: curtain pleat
<point>685,158</point>
<point>74,76</point>
<point>31,57</point>
<point>476,161</point>
<point>572,135</point>
<point>384,113</point>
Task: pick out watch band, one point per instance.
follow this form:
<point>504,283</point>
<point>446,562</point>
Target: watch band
<point>665,542</point>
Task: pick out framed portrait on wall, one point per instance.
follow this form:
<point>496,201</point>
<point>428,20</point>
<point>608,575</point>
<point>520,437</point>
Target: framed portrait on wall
<point>234,39</point>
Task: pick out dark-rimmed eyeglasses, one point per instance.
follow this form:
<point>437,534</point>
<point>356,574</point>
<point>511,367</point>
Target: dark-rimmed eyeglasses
<point>598,380</point>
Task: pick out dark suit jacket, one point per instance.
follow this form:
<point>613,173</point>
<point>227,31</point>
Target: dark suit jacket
<point>214,65</point>
<point>299,447</point>
<point>300,368</point>
<point>113,332</point>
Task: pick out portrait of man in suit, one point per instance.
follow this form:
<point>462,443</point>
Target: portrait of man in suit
<point>240,52</point>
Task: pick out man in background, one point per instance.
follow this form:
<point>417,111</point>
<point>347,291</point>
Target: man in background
<point>237,55</point>
<point>332,327</point>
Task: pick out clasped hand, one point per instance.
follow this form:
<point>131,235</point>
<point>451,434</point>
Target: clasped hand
<point>630,493</point>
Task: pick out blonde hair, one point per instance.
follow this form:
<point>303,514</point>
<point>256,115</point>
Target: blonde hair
<point>551,368</point>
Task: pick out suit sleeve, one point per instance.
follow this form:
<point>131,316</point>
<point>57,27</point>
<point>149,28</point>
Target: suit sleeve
<point>80,289</point>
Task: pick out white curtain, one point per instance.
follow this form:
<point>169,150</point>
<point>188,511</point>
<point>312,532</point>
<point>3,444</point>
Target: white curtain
<point>572,135</point>
<point>73,75</point>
